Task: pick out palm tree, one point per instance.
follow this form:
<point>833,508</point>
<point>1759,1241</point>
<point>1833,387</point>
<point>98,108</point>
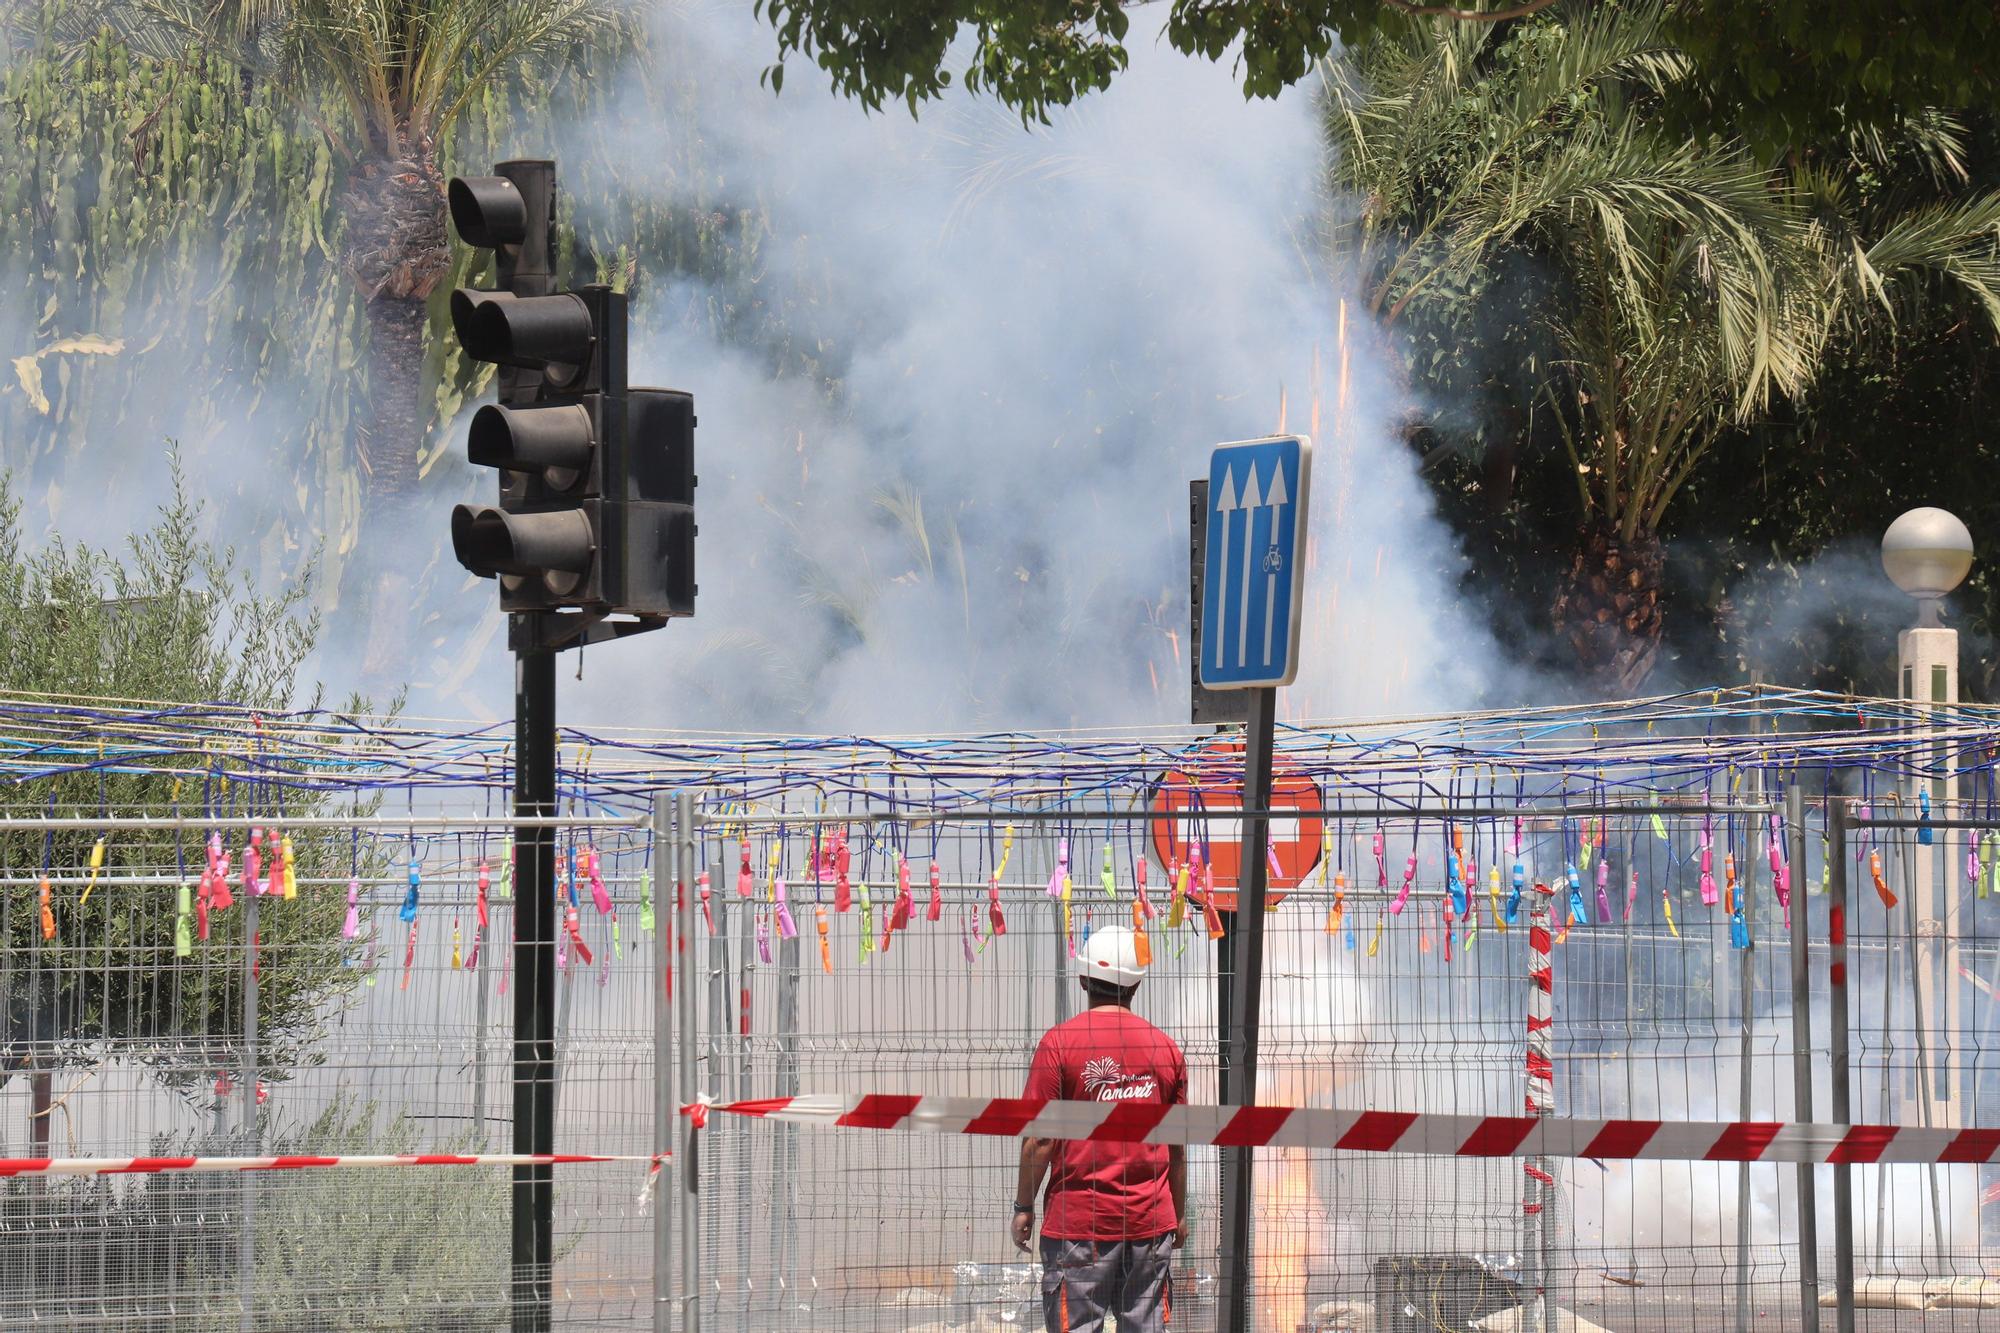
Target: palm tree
<point>1694,283</point>
<point>387,81</point>
<point>406,71</point>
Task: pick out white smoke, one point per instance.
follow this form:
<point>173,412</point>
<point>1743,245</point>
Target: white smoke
<point>957,497</point>
<point>1037,337</point>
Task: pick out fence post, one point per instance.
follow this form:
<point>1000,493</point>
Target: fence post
<point>481,947</point>
<point>746,968</point>
<point>784,1148</point>
<point>246,1241</point>
<point>666,1080</point>
<point>1838,1059</point>
<point>743,1166</point>
<point>1802,1079</point>
<point>718,1049</point>
<point>1746,973</point>
<point>1244,984</point>
<point>687,1134</point>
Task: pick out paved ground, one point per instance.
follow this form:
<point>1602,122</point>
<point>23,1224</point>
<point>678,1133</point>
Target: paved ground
<point>1693,1301</point>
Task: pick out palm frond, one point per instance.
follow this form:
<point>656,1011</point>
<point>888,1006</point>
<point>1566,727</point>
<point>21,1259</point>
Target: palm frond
<point>1934,140</point>
<point>1693,273</point>
<point>467,46</point>
<point>1955,245</point>
<point>905,506</point>
<point>402,69</point>
<point>1603,43</point>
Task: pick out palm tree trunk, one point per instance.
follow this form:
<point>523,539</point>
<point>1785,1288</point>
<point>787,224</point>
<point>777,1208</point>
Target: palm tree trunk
<point>397,253</point>
<point>391,445</point>
<point>1608,606</point>
<point>396,421</point>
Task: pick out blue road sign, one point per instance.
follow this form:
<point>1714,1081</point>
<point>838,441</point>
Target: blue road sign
<point>1255,574</point>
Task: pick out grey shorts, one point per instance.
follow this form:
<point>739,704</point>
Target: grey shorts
<point>1130,1280</point>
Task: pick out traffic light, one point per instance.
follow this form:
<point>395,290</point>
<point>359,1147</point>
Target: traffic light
<point>511,213</point>
<point>596,505</point>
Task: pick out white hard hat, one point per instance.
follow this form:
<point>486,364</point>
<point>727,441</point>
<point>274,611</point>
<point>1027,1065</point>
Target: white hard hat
<point>1111,955</point>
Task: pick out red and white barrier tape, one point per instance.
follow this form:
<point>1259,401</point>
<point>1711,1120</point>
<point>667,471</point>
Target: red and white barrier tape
<point>1378,1131</point>
<point>146,1166</point>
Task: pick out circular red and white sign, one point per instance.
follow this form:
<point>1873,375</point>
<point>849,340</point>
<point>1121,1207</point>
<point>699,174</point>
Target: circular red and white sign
<point>1209,777</point>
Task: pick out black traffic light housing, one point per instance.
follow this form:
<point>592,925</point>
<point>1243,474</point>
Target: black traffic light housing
<point>512,213</point>
<point>596,507</point>
<point>653,515</point>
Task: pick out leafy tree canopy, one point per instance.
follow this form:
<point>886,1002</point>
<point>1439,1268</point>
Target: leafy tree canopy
<point>1782,72</point>
<point>129,180</point>
<point>1774,71</point>
<point>1692,287</point>
<point>112,973</point>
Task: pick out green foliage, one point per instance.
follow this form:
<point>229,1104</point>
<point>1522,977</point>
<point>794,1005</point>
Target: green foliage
<point>1794,72</point>
<point>433,1239</point>
<point>171,619</point>
<point>172,225</point>
<point>361,1248</point>
<point>1682,288</point>
<point>1777,543</point>
<point>1694,284</point>
<point>1780,72</point>
<point>1772,573</point>
<point>1687,299</point>
<point>1031,55</point>
<point>408,69</point>
<point>184,225</point>
<point>384,83</point>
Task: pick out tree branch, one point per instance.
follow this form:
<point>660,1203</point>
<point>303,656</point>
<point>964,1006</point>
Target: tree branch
<point>1469,15</point>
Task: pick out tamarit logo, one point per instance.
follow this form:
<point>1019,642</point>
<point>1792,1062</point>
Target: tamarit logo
<point>1106,1082</point>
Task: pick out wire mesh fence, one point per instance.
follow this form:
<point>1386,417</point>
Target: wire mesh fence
<point>329,985</point>
<point>1397,977</point>
<point>1921,960</point>
<point>129,1031</point>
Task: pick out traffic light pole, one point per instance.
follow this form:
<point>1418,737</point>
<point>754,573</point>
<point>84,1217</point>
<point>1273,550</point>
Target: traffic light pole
<point>1240,978</point>
<point>592,540</point>
<point>534,981</point>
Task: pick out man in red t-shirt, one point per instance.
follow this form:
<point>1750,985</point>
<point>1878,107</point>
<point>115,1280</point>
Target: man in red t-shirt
<point>1116,1211</point>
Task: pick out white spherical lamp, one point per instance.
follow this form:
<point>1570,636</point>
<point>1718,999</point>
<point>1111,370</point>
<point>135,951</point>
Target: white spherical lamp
<point>1927,552</point>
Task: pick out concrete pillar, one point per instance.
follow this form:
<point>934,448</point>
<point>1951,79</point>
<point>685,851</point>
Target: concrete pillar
<point>1928,677</point>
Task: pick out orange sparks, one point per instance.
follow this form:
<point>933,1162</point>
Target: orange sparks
<point>1288,1210</point>
<point>1316,394</point>
<point>1340,403</point>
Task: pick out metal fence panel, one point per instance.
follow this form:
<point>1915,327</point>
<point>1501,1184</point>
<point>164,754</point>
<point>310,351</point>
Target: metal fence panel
<point>1369,1008</point>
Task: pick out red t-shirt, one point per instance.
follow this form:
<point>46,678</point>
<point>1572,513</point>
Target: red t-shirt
<point>1108,1191</point>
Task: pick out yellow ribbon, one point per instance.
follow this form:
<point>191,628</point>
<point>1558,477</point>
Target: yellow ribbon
<point>96,868</point>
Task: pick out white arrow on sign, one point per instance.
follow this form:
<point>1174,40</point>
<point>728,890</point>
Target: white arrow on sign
<point>1252,501</point>
<point>1225,504</point>
<point>1277,499</point>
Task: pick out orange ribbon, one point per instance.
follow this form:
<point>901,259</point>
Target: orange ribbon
<point>1875,873</point>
